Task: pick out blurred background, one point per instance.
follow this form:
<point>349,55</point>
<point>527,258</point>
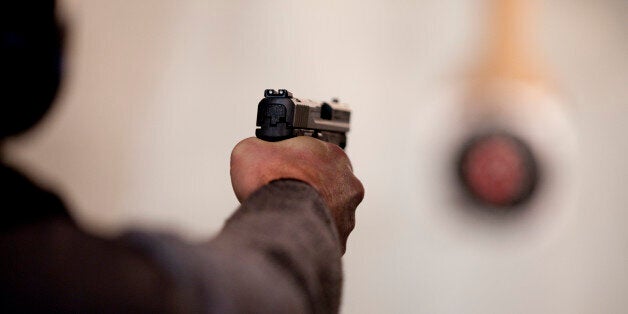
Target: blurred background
<point>156,93</point>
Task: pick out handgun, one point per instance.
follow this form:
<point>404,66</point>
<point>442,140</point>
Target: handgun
<point>281,116</point>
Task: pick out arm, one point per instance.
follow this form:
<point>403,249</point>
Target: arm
<point>286,253</point>
<point>274,255</point>
<point>279,253</point>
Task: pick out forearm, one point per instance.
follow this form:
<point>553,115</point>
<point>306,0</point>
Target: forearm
<point>278,253</point>
<point>286,229</point>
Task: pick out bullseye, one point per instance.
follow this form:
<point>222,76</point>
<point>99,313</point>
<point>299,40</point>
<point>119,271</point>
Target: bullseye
<point>498,170</point>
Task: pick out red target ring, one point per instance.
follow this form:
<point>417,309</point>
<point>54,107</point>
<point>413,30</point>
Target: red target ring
<point>498,169</point>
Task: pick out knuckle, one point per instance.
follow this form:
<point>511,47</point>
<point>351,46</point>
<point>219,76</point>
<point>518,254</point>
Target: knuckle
<point>248,146</point>
<point>302,141</point>
<point>358,191</point>
<point>242,146</point>
<point>350,223</point>
<point>336,150</point>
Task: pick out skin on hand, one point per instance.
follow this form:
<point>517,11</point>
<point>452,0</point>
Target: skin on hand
<point>325,166</point>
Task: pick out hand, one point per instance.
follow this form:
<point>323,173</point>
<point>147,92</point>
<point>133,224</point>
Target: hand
<point>325,166</point>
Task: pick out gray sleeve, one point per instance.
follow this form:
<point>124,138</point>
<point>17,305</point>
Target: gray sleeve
<point>278,253</point>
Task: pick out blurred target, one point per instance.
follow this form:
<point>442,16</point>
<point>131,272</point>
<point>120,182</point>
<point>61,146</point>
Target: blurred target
<point>500,143</point>
<point>498,169</point>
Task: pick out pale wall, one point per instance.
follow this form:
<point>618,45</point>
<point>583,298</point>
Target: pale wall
<point>158,92</point>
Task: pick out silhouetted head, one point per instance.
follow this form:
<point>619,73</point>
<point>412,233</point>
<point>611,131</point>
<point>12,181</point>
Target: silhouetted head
<point>30,62</point>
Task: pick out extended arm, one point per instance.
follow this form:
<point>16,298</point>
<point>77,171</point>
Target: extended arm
<point>278,253</point>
